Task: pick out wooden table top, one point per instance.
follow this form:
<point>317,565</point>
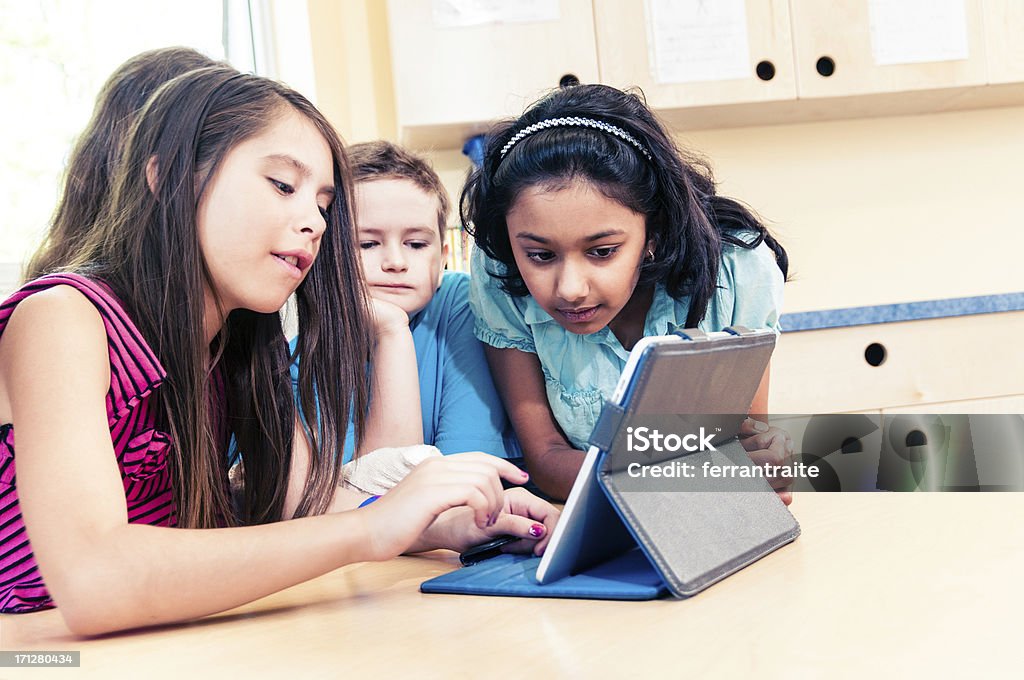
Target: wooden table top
<point>878,584</point>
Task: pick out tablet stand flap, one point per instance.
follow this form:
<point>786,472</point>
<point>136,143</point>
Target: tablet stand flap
<point>696,531</point>
<point>607,425</point>
<point>705,511</point>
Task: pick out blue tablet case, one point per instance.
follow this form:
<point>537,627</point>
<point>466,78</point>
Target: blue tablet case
<point>686,539</point>
<point>627,577</point>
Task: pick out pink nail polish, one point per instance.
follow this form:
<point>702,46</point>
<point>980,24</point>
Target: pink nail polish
<point>537,530</point>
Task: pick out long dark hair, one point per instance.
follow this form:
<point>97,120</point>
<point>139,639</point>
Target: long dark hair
<point>675,191</point>
<point>145,246</point>
<point>96,153</point>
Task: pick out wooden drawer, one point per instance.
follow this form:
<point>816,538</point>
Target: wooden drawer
<point>938,360</point>
<point>1013,403</point>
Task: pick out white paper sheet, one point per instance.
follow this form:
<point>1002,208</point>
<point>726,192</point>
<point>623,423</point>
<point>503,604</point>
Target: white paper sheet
<point>460,13</point>
<point>917,31</point>
<point>697,40</point>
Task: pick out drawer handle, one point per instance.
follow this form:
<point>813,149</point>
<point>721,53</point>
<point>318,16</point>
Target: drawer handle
<point>826,66</point>
<point>875,354</point>
<point>765,70</point>
<point>916,438</point>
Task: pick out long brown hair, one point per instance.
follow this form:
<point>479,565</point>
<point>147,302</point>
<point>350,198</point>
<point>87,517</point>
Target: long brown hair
<point>96,153</point>
<point>145,246</point>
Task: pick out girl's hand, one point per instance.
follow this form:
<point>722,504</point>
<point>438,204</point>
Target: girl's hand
<point>388,318</point>
<point>523,515</point>
<point>397,521</point>
<point>767,445</point>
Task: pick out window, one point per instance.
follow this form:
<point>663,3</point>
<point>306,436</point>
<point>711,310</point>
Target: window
<point>56,54</point>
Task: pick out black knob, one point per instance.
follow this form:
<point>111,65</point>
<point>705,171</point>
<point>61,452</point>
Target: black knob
<point>825,66</point>
<point>875,354</point>
<point>765,70</point>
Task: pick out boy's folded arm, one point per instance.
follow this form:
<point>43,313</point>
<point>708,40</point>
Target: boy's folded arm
<point>551,460</point>
<point>104,573</point>
<point>395,418</point>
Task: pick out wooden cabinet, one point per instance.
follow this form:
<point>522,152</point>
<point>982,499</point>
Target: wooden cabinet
<point>803,60</point>
<point>451,81</point>
<point>626,55</point>
<point>895,365</point>
<point>837,54</point>
<point>919,405</point>
<point>1004,40</point>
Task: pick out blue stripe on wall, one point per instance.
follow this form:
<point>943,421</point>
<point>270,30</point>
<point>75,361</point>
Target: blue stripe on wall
<point>906,311</point>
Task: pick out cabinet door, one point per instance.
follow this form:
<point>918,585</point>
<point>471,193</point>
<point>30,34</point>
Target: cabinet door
<point>857,47</point>
<point>636,46</point>
<point>452,80</point>
<point>1004,40</point>
<point>898,364</point>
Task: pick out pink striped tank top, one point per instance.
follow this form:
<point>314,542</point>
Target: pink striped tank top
<point>141,449</point>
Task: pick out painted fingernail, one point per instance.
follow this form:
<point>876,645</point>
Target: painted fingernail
<point>537,530</point>
<point>526,475</point>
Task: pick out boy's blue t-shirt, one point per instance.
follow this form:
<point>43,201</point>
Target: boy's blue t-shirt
<point>460,406</point>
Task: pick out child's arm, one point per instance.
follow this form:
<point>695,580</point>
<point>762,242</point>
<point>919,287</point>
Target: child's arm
<point>344,499</point>
<point>394,417</point>
<point>454,528</point>
<point>759,407</point>
<point>766,444</point>
<point>551,459</point>
<point>106,574</point>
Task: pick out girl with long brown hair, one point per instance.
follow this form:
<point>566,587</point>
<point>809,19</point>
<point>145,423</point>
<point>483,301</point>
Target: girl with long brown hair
<point>126,371</point>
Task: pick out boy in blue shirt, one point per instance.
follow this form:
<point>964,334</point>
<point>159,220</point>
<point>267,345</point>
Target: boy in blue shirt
<point>401,214</point>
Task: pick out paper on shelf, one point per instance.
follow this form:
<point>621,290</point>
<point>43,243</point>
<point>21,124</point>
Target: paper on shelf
<point>461,13</point>
<point>917,31</point>
<point>697,40</point>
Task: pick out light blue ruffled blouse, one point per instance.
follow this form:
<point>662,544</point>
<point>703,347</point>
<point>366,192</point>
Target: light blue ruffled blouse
<point>580,371</point>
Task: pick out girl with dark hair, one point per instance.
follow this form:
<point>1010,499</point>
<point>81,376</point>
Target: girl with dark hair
<point>593,230</point>
<point>159,338</point>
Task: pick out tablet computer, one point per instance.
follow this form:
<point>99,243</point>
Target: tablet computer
<point>618,540</point>
<point>686,373</point>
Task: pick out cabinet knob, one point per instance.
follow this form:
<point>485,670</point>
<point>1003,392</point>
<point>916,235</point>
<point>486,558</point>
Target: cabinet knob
<point>851,445</point>
<point>825,66</point>
<point>568,80</point>
<point>765,70</point>
<point>875,354</point>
